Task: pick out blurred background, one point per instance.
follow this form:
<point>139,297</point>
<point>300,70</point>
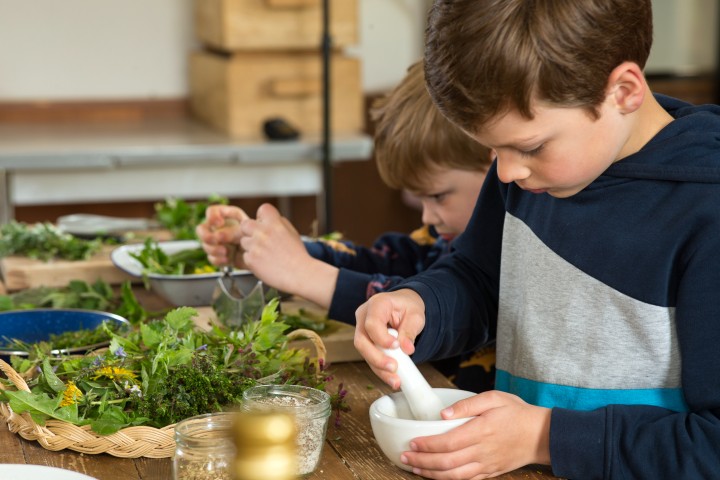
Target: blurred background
<point>135,62</point>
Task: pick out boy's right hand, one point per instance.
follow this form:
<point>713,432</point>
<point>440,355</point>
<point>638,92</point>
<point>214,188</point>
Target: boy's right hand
<point>220,228</point>
<point>403,310</point>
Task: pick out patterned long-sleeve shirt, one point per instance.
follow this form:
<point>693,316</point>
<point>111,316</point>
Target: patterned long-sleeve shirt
<point>367,271</point>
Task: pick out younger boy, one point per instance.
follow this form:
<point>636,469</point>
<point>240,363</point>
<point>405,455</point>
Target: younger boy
<point>593,250</point>
<point>416,149</point>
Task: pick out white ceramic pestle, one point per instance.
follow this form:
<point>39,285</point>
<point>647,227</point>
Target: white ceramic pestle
<point>424,402</point>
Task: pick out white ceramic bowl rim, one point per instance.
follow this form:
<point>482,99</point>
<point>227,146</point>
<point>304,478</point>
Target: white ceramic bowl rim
<point>122,259</point>
<point>376,409</point>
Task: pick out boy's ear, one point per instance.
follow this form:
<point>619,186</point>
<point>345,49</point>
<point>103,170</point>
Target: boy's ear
<point>627,87</point>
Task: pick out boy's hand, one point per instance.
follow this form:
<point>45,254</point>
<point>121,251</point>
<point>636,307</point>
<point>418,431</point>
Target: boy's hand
<point>273,249</point>
<point>220,228</point>
<point>506,434</point>
<point>276,254</point>
<point>402,310</point>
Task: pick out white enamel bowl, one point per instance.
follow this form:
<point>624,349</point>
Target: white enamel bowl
<point>180,290</point>
<point>393,424</point>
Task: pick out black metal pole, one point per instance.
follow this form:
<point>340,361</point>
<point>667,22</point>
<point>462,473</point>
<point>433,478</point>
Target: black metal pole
<point>326,226</point>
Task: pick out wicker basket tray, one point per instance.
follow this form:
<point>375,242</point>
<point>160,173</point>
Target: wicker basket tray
<point>130,442</point>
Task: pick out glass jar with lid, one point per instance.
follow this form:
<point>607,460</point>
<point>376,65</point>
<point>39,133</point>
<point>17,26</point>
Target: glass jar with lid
<point>310,408</point>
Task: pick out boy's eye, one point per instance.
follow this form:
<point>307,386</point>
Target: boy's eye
<point>533,152</point>
<point>439,197</point>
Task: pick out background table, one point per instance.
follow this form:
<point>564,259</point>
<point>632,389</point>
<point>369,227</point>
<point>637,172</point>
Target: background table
<point>85,163</point>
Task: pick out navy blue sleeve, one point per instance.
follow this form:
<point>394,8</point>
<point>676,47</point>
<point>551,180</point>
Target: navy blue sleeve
<point>393,254</point>
<point>353,289</point>
<point>366,271</point>
<point>460,290</point>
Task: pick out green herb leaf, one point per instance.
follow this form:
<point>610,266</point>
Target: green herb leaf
<point>40,407</point>
<point>50,378</point>
<point>110,421</point>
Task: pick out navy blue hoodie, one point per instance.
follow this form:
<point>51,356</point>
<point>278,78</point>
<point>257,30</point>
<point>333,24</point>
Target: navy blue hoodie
<point>606,305</point>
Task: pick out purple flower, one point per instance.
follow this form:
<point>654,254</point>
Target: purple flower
<point>120,352</point>
<point>201,348</point>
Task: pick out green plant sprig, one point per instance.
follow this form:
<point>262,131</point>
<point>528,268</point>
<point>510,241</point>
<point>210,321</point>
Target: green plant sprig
<point>181,217</point>
<point>185,262</point>
<point>44,241</point>
<point>80,294</point>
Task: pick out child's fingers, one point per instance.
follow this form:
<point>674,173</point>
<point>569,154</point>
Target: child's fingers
<point>371,326</point>
<point>267,212</point>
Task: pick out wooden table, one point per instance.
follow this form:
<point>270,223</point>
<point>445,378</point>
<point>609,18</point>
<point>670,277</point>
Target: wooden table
<point>350,453</point>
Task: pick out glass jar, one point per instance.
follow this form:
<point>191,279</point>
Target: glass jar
<point>204,448</point>
<point>310,408</point>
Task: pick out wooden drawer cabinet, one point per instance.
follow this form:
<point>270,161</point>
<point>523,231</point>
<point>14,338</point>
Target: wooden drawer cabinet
<point>237,92</point>
<point>232,25</point>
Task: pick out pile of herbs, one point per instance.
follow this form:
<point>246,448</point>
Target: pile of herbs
<point>194,261</point>
<point>44,241</point>
<point>181,217</point>
<point>185,262</point>
<point>164,371</point>
<point>82,295</point>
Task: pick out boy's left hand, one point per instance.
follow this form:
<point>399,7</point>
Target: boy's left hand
<point>506,434</point>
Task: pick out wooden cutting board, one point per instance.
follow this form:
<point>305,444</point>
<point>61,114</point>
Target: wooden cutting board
<point>19,272</point>
<point>22,272</point>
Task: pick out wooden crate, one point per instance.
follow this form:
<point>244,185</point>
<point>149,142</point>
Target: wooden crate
<point>232,25</point>
<point>237,93</point>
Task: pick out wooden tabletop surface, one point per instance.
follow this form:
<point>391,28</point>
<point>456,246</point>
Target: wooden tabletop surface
<point>350,451</point>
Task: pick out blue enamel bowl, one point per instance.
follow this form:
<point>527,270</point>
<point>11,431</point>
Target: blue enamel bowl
<point>36,325</point>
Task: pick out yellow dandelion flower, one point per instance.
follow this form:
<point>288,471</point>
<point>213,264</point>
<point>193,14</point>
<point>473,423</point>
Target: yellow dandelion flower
<point>71,395</point>
<point>205,269</point>
<point>114,373</point>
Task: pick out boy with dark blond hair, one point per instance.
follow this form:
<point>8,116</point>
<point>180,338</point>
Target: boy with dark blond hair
<point>592,252</point>
<point>416,149</point>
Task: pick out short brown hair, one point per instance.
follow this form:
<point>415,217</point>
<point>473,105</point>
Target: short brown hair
<point>412,138</point>
<point>484,57</point>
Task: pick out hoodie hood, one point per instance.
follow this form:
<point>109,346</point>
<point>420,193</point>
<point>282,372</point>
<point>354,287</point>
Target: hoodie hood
<point>686,150</point>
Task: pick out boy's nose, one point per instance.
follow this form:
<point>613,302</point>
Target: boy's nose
<point>510,169</point>
<point>429,217</point>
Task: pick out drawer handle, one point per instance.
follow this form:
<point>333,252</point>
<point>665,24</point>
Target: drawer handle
<point>279,4</point>
<point>294,88</point>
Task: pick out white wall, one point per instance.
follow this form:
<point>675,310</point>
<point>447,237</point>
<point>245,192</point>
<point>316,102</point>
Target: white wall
<point>686,36</point>
<point>93,49</point>
<point>391,38</point>
<point>134,49</point>
<point>129,49</point>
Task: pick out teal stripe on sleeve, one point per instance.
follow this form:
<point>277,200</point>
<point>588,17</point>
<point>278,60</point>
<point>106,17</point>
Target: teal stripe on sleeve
<point>576,398</point>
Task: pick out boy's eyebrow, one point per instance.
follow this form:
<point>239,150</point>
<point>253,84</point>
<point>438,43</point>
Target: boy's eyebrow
<point>520,142</point>
<point>434,193</point>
